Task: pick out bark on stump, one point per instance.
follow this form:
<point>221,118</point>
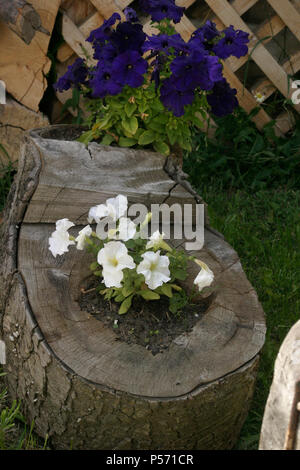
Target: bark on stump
<point>281,423</point>
<point>78,384</point>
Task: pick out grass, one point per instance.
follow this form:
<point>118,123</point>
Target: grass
<point>14,432</point>
<point>251,182</point>
<point>7,171</point>
<point>264,228</point>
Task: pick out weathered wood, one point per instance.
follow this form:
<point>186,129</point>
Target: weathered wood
<point>194,395</point>
<point>23,67</point>
<point>289,14</point>
<point>140,177</point>
<point>281,423</point>
<point>22,18</point>
<point>78,414</point>
<point>65,51</point>
<point>15,119</point>
<point>76,39</point>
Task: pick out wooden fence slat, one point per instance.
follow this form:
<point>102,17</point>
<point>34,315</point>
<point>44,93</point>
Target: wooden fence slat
<point>94,21</point>
<point>266,88</point>
<point>289,15</point>
<point>75,38</point>
<point>241,6</point>
<point>107,7</point>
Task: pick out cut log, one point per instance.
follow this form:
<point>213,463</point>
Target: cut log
<point>22,18</point>
<point>281,422</point>
<point>15,119</point>
<point>23,67</point>
<point>80,385</point>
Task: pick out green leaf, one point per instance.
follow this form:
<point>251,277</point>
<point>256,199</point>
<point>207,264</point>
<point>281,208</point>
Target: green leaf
<point>146,138</point>
<point>126,142</point>
<point>94,266</point>
<point>130,108</point>
<point>156,127</point>
<point>162,147</point>
<point>86,137</point>
<point>107,140</point>
<point>167,290</point>
<point>179,274</point>
<point>125,305</point>
<point>127,290</point>
<point>149,294</point>
<point>172,135</point>
<point>119,297</point>
<point>198,122</point>
<point>103,124</point>
<point>130,125</point>
<point>143,107</point>
<point>97,273</point>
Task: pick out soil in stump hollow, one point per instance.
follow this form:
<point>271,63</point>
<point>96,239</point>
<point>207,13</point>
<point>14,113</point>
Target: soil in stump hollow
<point>147,323</point>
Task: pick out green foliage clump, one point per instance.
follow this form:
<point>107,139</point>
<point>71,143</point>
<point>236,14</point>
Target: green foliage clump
<point>241,157</point>
<point>137,118</point>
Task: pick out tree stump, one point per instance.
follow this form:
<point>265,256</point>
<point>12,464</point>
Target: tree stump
<point>15,119</point>
<point>281,422</point>
<point>80,386</point>
<point>23,67</point>
<point>21,18</point>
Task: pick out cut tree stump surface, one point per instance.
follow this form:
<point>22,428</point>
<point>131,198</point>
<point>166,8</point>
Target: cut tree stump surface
<point>59,179</point>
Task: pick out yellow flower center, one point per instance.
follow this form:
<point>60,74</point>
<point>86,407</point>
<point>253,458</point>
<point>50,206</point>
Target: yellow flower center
<point>114,262</point>
<point>152,267</point>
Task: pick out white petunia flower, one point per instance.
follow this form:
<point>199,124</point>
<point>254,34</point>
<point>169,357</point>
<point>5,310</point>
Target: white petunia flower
<point>97,212</point>
<point>155,269</point>
<point>125,231</point>
<point>114,258</point>
<point>80,240</point>
<point>205,276</point>
<point>60,240</point>
<point>114,208</point>
<point>156,242</point>
<point>117,207</point>
<point>63,224</point>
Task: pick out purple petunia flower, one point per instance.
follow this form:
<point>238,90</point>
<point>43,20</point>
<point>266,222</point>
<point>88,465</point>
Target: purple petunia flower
<point>131,15</point>
<point>196,70</point>
<point>174,99</point>
<point>106,52</point>
<point>128,69</point>
<point>128,36</point>
<point>223,99</point>
<point>163,42</point>
<point>161,9</point>
<point>102,82</point>
<point>232,44</point>
<point>75,75</point>
<point>204,36</point>
<point>102,33</point>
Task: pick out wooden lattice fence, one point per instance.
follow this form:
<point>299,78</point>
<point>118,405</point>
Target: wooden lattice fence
<point>274,53</point>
